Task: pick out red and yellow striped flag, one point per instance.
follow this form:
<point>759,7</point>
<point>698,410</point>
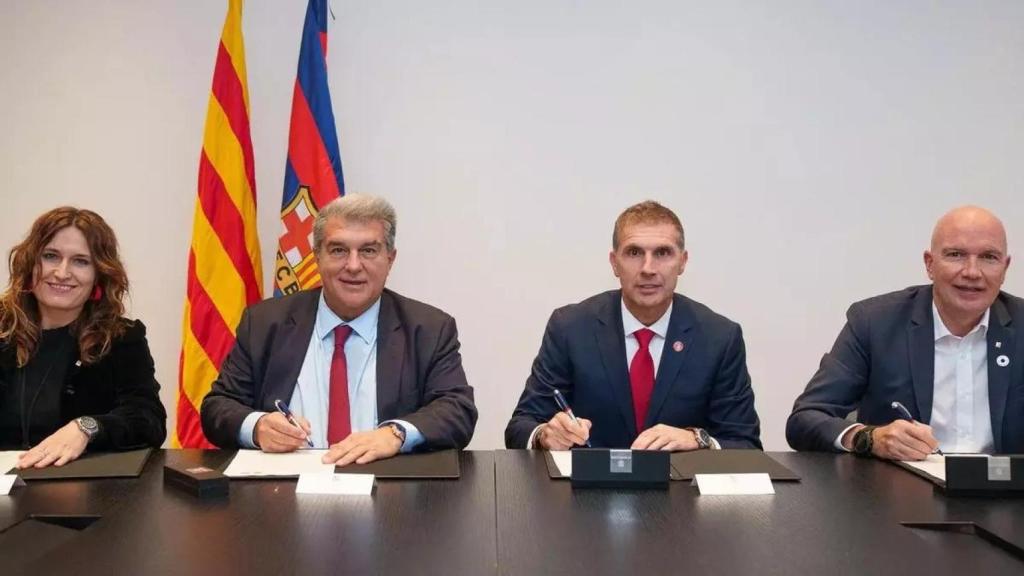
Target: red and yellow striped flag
<point>224,270</point>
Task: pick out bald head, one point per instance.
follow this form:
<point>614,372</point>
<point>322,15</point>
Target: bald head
<point>967,264</point>
<point>970,220</point>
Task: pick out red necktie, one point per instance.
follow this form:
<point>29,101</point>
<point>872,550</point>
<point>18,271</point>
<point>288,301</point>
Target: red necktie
<point>339,425</point>
<point>641,377</point>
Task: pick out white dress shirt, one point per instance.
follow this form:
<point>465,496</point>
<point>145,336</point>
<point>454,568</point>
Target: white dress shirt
<point>961,419</point>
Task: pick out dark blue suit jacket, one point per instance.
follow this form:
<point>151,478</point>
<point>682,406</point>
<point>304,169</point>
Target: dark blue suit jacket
<point>584,355</point>
<point>886,352</point>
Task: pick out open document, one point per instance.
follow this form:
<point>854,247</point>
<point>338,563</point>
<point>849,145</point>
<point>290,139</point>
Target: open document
<point>259,464</point>
<point>932,468</point>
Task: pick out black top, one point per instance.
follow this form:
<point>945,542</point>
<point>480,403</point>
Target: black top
<point>30,399</point>
<point>119,390</point>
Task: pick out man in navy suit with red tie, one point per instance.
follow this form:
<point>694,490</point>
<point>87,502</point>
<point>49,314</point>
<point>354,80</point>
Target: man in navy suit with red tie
<point>641,367</point>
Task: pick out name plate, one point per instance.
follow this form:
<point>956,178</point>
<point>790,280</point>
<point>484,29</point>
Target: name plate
<point>733,484</point>
<point>337,484</point>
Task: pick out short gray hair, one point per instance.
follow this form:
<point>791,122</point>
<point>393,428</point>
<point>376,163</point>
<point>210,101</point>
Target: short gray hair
<point>357,208</point>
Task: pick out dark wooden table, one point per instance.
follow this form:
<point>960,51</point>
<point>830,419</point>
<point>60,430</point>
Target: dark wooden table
<point>844,517</point>
<point>264,527</point>
<point>847,516</point>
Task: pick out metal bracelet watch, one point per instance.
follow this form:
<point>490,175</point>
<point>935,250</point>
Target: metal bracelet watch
<point>89,426</point>
<point>702,437</point>
<point>398,430</point>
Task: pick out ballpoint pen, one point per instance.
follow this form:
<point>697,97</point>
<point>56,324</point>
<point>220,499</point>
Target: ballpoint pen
<point>899,407</point>
<point>283,409</point>
<point>564,406</point>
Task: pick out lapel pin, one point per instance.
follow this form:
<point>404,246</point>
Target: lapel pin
<point>1002,361</point>
<point>78,363</point>
<point>999,344</point>
<point>678,346</point>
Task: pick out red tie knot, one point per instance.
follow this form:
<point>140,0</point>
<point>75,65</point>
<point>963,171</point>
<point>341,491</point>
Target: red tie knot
<point>341,333</point>
<point>643,337</point>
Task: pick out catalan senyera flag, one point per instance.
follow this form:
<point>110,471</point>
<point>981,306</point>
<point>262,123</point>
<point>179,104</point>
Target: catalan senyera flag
<point>224,270</point>
<point>312,175</point>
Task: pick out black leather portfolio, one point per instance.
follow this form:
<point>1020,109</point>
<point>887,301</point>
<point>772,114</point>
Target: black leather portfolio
<point>443,464</point>
<point>97,465</point>
<point>687,464</point>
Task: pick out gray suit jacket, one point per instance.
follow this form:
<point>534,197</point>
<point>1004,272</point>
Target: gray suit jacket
<point>419,369</point>
<point>886,352</point>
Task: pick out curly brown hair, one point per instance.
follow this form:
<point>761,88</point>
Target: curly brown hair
<point>100,321</point>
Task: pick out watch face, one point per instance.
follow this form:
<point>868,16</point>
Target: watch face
<point>862,441</point>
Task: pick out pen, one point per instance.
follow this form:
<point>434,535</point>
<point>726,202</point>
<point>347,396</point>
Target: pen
<point>283,409</point>
<point>897,406</point>
<point>564,406</point>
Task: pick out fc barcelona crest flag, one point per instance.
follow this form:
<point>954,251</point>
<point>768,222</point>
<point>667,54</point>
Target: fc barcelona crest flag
<point>312,175</point>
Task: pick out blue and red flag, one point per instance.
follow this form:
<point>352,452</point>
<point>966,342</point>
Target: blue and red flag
<point>312,175</point>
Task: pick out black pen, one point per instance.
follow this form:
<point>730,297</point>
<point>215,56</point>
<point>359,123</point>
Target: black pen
<point>283,409</point>
<point>897,406</point>
<point>560,400</point>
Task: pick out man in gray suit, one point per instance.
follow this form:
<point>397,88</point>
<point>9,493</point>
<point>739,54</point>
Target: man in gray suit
<point>946,355</point>
<point>366,371</point>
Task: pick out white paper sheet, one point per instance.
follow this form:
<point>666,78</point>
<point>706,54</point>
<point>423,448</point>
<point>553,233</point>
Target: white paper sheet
<point>933,466</point>
<point>563,461</point>
<point>8,459</point>
<point>259,464</point>
<point>733,484</point>
<point>8,482</point>
<point>338,484</point>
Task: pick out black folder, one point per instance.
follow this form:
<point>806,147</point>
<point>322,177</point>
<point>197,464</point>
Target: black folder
<point>686,464</point>
<point>96,465</point>
<point>422,465</point>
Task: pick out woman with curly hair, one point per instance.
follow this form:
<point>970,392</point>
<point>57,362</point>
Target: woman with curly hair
<point>74,373</point>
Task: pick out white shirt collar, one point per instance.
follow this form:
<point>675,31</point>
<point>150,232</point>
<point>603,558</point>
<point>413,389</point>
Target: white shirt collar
<point>365,325</point>
<point>940,327</point>
<point>630,324</point>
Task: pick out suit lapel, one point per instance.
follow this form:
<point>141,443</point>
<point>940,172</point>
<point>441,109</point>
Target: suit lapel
<point>921,340</point>
<point>1001,333</point>
<point>611,342</point>
<point>390,356</point>
<point>289,352</point>
<point>679,330</point>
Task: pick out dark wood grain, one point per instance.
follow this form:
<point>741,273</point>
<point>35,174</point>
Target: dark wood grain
<point>263,527</point>
<point>842,518</point>
<point>505,515</point>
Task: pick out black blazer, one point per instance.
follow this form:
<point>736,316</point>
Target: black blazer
<point>584,355</point>
<point>419,369</point>
<point>886,352</point>
<point>120,391</point>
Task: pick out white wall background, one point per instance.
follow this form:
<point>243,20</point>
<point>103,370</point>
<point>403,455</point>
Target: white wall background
<point>808,147</point>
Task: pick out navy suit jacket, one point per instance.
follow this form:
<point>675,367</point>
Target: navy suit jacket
<point>419,369</point>
<point>886,352</point>
<point>583,354</point>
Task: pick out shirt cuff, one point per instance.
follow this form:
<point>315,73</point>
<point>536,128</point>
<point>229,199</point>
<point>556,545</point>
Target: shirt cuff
<point>413,436</point>
<point>533,436</point>
<point>245,439</point>
<point>715,445</point>
<point>839,439</point>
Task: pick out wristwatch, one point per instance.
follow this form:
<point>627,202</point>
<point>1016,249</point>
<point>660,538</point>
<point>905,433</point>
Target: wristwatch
<point>89,426</point>
<point>864,441</point>
<point>398,430</point>
<point>702,437</point>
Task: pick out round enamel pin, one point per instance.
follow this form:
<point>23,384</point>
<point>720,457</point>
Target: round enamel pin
<point>677,346</point>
